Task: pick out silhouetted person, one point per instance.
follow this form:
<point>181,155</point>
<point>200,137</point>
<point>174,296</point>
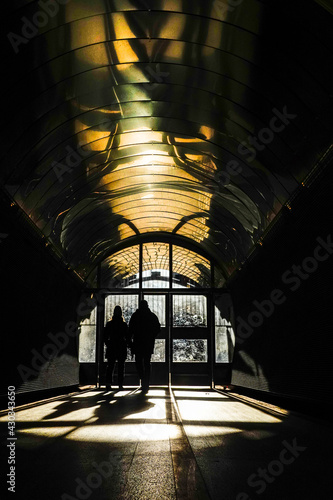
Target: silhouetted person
<point>115,339</point>
<point>144,326</point>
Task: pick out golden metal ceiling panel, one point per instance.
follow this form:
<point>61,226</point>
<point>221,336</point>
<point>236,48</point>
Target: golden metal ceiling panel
<point>131,118</point>
<point>191,265</point>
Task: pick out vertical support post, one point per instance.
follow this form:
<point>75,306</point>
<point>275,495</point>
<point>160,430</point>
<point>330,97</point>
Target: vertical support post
<point>100,303</point>
<point>212,275</point>
<point>170,265</point>
<point>169,337</point>
<point>140,271</point>
<point>170,315</point>
<point>212,327</point>
<point>212,338</point>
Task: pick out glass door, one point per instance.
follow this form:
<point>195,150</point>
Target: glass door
<point>190,348</point>
<point>224,339</point>
<point>184,349</point>
<point>129,304</point>
<point>160,359</point>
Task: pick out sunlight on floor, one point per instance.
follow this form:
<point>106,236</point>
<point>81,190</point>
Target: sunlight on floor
<point>127,416</point>
<point>117,433</point>
<point>46,432</point>
<point>156,412</point>
<point>198,394</point>
<point>212,407</point>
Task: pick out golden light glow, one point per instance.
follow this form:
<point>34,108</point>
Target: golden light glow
<point>125,231</point>
<point>196,229</point>
<point>124,52</point>
<point>140,137</point>
<point>191,265</point>
<point>74,10</point>
<point>124,263</point>
<point>88,31</point>
<point>93,139</point>
<point>208,132</point>
<point>173,27</point>
<point>174,50</point>
<point>153,187</point>
<point>121,26</point>
<point>155,256</point>
<point>151,177</point>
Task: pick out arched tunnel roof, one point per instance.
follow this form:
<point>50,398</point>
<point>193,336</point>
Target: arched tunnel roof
<point>191,120</point>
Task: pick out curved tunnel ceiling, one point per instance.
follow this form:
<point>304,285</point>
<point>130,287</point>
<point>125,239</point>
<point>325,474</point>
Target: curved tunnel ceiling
<point>191,120</point>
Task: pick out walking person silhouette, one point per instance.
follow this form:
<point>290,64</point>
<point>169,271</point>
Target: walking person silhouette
<point>144,326</point>
<point>116,339</point>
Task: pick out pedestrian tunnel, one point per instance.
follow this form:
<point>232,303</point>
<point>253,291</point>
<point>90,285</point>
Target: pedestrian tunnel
<point>178,151</point>
<point>196,342</point>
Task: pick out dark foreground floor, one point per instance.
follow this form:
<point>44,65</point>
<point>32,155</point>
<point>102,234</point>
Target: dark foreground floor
<point>185,444</point>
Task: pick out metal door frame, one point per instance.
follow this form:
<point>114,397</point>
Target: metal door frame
<point>141,292</point>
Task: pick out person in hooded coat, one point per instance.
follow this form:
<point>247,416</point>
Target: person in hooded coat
<point>144,326</point>
<point>116,339</point>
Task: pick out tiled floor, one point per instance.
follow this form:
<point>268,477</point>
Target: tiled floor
<point>184,444</point>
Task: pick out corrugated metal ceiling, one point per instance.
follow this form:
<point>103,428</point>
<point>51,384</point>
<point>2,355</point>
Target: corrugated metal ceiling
<point>191,120</point>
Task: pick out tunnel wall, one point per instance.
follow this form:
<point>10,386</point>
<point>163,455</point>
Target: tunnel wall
<point>284,340</point>
<point>39,303</point>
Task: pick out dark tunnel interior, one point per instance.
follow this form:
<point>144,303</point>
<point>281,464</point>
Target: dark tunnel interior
<point>166,146</point>
<point>177,152</point>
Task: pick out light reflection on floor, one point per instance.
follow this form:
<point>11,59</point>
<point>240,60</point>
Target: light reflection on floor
<point>198,409</point>
<point>145,418</point>
<point>207,407</point>
<point>219,436</point>
<point>130,433</point>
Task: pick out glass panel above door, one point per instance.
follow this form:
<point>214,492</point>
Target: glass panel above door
<point>121,270</point>
<point>189,269</point>
<point>186,269</point>
<point>155,265</point>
